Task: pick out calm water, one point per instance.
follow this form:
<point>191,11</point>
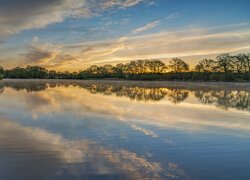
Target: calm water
<point>117,130</point>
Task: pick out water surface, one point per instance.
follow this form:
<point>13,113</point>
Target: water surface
<point>124,130</point>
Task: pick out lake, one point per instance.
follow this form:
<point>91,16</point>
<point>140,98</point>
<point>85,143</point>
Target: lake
<point>124,130</point>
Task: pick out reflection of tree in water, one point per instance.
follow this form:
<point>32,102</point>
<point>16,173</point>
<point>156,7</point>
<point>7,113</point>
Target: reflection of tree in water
<point>140,93</point>
<point>1,88</point>
<point>177,95</point>
<point>29,87</point>
<point>222,97</point>
<point>225,99</point>
<point>134,93</point>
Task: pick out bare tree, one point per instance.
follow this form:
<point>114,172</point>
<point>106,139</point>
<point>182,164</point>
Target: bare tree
<point>178,65</point>
<point>156,66</point>
<point>206,65</point>
<point>224,62</point>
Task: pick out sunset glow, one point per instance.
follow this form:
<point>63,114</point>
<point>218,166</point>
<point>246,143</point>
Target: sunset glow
<point>74,34</point>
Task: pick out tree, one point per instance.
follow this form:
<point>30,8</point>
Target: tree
<point>108,69</point>
<point>1,72</point>
<point>223,69</point>
<point>178,65</point>
<point>224,62</point>
<point>16,72</point>
<point>156,66</point>
<point>36,72</point>
<point>119,69</point>
<point>135,67</point>
<point>238,63</point>
<point>246,58</point>
<point>206,65</point>
<point>92,69</point>
<point>141,66</point>
<point>52,74</point>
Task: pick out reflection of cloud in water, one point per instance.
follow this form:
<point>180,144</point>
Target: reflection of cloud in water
<point>34,103</point>
<point>191,114</point>
<point>39,103</point>
<point>55,155</point>
<point>144,131</point>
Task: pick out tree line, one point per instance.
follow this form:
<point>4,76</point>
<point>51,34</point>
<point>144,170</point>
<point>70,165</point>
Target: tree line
<point>225,67</point>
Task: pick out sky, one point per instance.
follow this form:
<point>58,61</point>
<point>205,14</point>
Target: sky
<point>71,35</point>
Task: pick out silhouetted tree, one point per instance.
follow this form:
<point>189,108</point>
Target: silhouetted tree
<point>36,72</point>
<point>52,74</point>
<point>224,62</point>
<point>238,63</point>
<point>178,65</point>
<point>206,65</point>
<point>156,66</point>
<point>247,63</point>
<point>244,61</point>
<point>226,67</point>
<point>1,72</point>
<point>119,70</point>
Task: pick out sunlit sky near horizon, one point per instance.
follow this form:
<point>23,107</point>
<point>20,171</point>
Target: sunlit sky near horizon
<point>74,34</point>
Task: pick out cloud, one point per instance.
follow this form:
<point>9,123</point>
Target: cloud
<point>151,3</point>
<point>146,27</point>
<point>46,55</point>
<point>173,16</point>
<point>23,15</point>
<point>38,55</point>
<point>186,43</point>
<point>144,131</point>
<point>120,3</point>
<point>16,16</point>
<point>189,43</point>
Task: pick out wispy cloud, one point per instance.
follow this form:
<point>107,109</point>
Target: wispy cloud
<point>16,16</point>
<point>144,131</point>
<point>173,16</point>
<point>120,3</point>
<point>151,3</point>
<point>190,42</point>
<point>146,27</point>
<point>38,55</point>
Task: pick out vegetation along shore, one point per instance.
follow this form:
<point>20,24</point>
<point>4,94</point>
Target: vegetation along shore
<point>225,67</point>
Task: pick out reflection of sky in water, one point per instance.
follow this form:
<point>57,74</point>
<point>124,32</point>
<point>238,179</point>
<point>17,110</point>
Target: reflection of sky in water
<point>124,131</point>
